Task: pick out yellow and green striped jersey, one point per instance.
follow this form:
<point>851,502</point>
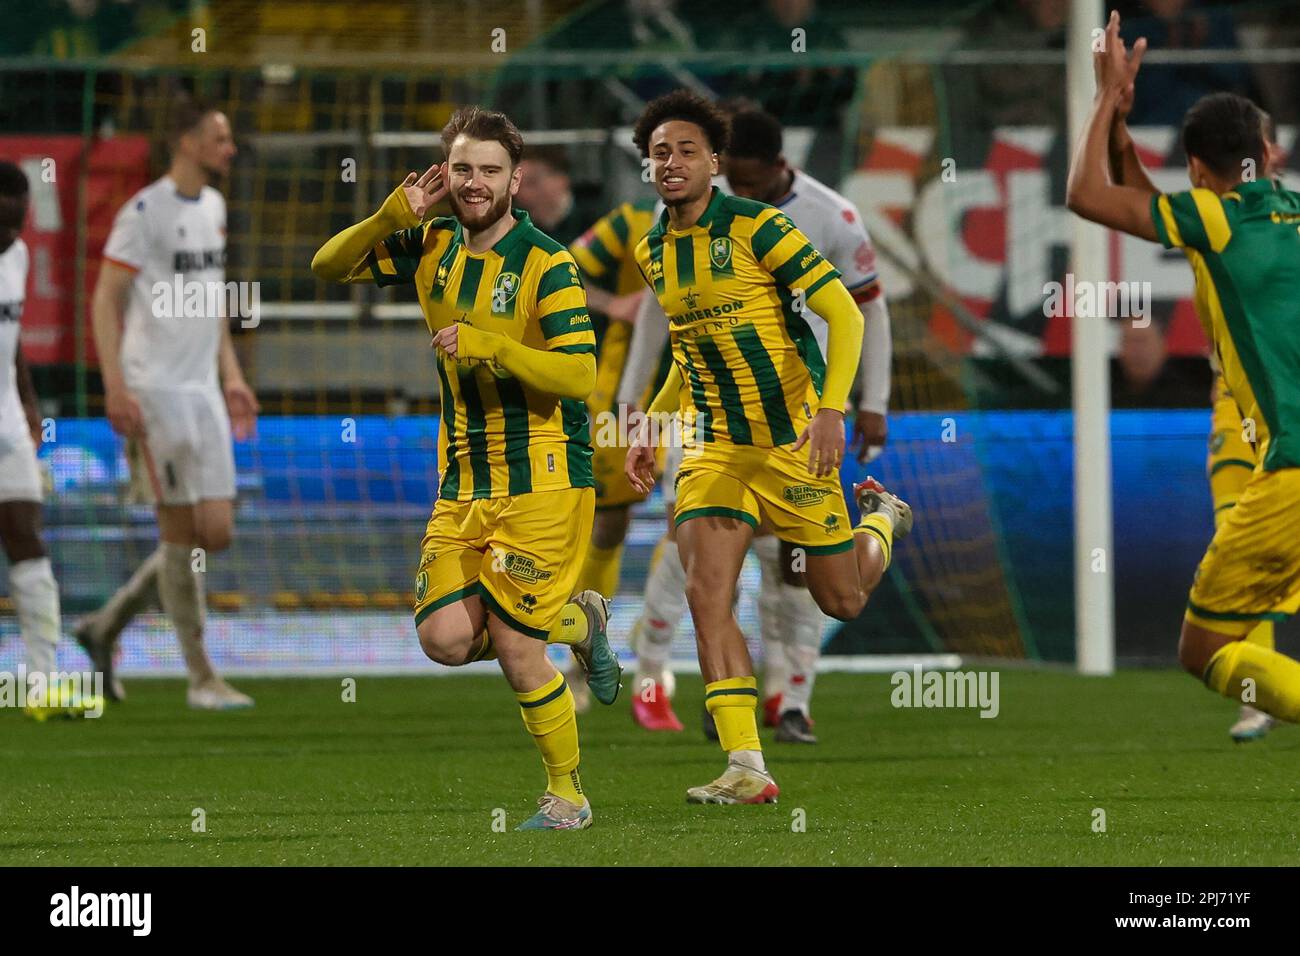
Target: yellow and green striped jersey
<point>606,255</point>
<point>499,437</point>
<point>605,251</point>
<point>1244,247</point>
<point>731,286</point>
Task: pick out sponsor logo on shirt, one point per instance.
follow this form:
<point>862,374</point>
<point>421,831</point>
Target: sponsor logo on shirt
<point>804,496</point>
<point>197,260</point>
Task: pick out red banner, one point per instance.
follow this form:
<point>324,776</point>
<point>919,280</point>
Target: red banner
<point>54,166</point>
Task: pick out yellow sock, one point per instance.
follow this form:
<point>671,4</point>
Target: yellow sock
<point>881,528</point>
<point>485,650</point>
<point>570,627</point>
<point>732,702</point>
<point>548,715</point>
<point>600,569</point>
<point>1243,670</point>
<point>1262,635</point>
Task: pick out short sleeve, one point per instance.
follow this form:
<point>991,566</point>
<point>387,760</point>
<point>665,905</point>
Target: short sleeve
<point>785,252</point>
<point>562,307</point>
<point>128,240</point>
<point>1191,220</point>
<point>854,256</point>
<point>600,249</point>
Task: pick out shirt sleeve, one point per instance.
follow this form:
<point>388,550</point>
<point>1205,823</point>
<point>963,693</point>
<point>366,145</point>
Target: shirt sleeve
<point>600,249</point>
<point>128,240</point>
<point>395,259</point>
<point>785,252</point>
<point>562,307</point>
<point>854,256</point>
<point>1191,220</point>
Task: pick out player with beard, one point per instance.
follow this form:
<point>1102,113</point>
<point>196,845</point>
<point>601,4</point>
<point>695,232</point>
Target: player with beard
<point>515,356</point>
<point>173,384</point>
<point>731,275</point>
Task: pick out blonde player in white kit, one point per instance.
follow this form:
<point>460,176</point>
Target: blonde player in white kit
<point>31,577</point>
<point>792,625</point>
<point>162,388</point>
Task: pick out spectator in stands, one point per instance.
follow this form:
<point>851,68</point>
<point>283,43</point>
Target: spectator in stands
<point>1143,375</point>
<point>1168,90</point>
<point>546,192</point>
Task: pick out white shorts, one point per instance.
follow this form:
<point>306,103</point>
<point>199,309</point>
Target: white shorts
<point>188,437</point>
<point>20,475</point>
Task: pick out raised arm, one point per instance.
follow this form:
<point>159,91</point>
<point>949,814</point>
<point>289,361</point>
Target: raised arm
<point>345,257</point>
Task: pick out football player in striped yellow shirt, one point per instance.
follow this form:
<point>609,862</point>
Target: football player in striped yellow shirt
<point>1245,233</point>
<point>515,360</point>
<point>763,415</point>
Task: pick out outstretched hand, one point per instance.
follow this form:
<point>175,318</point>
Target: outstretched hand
<point>1115,67</point>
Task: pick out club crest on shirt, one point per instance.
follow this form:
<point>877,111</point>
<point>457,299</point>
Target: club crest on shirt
<point>720,251</point>
<point>504,290</point>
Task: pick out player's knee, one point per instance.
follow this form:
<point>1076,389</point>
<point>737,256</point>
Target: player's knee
<point>708,599</point>
<point>842,605</point>
<point>1193,657</point>
<point>441,644</point>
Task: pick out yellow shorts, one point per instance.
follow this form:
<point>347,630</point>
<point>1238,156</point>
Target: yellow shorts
<point>765,486</point>
<point>521,554</point>
<point>1251,571</point>
<point>1231,458</point>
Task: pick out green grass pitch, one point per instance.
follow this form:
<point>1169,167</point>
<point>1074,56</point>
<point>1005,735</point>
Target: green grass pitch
<point>412,771</point>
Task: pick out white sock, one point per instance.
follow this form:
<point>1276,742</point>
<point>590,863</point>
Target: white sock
<point>140,591</point>
<point>665,603</point>
<point>36,600</point>
<point>753,759</point>
<point>181,591</point>
<point>803,623</point>
<point>768,549</point>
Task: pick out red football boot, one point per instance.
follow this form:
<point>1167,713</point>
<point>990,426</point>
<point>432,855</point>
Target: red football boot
<point>657,712</point>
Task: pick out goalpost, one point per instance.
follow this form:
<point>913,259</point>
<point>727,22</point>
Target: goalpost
<point>1094,595</point>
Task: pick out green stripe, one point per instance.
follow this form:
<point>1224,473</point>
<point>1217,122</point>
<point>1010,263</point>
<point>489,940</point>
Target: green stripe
<point>555,279</point>
<point>451,476</point>
<point>805,342</point>
<point>791,271</point>
<point>495,607</point>
<point>577,436</point>
<point>830,276</point>
<point>553,695</point>
<point>468,590</point>
<point>469,282</point>
<point>732,406</point>
<point>561,323</point>
<point>768,382</point>
<point>476,436</point>
<point>656,245</point>
<point>602,254</point>
<point>1188,218</point>
<point>1231,463</point>
<point>703,420</point>
<point>744,516</point>
<point>732,692</point>
<point>1248,351</point>
<point>436,291</point>
<point>1235,615</point>
<point>514,408</point>
<point>766,238</point>
<point>684,249</point>
<point>618,223</point>
<point>582,349</point>
<point>1225,506</point>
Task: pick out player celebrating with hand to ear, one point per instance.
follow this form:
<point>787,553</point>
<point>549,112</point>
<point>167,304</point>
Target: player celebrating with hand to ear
<point>763,414</point>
